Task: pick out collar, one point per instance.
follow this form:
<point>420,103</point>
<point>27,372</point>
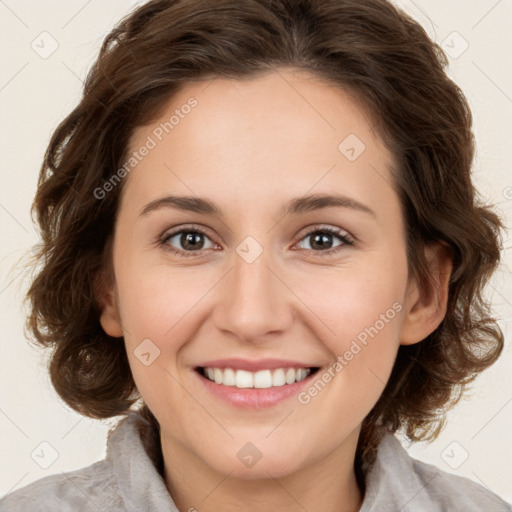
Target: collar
<point>395,481</point>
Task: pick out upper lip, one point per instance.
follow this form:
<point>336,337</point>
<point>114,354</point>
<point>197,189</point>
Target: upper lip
<point>254,366</point>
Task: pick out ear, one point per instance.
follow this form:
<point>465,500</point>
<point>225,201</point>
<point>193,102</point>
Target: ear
<point>426,308</point>
<point>110,319</point>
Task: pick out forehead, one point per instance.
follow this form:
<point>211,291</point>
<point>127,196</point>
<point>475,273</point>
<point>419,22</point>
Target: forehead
<point>279,105</point>
<point>285,129</point>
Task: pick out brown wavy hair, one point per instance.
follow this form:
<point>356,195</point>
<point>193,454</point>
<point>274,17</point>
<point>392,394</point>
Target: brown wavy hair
<point>371,49</point>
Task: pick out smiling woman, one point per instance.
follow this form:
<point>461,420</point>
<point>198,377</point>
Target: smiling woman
<point>281,276</point>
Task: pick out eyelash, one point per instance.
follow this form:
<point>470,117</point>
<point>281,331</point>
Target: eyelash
<point>342,235</point>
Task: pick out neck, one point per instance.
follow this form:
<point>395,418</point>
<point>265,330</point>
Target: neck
<point>328,484</point>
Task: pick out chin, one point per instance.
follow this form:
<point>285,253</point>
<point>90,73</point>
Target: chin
<point>249,463</point>
<point>261,470</point>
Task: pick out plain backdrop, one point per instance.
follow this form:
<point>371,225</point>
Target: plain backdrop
<point>46,48</point>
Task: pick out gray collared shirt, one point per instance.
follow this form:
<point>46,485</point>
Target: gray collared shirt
<point>130,479</point>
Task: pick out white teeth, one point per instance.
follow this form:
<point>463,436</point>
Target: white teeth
<point>263,379</point>
<point>278,379</point>
<point>290,376</point>
<point>243,379</point>
<point>260,380</point>
<point>229,378</point>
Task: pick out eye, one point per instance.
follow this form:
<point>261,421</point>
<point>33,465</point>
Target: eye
<point>191,240</point>
<point>321,239</point>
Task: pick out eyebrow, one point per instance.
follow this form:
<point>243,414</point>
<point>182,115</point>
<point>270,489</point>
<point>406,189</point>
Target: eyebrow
<point>295,206</point>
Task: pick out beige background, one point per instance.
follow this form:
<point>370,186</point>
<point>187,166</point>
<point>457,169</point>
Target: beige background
<point>36,93</point>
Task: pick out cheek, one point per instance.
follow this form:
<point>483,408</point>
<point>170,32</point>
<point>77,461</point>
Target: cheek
<point>161,309</point>
<point>360,310</point>
<point>363,312</point>
<point>155,299</point>
<point>353,303</point>
<point>156,309</point>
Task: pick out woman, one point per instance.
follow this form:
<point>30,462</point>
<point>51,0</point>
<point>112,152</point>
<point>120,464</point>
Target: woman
<point>259,223</point>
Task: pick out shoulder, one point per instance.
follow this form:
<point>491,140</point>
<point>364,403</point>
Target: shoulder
<point>399,480</point>
<point>456,493</point>
<point>91,488</point>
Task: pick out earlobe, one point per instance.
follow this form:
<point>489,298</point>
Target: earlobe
<point>109,320</point>
<point>109,316</point>
<point>426,308</point>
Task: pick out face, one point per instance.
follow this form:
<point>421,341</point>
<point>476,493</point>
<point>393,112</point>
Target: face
<point>252,273</point>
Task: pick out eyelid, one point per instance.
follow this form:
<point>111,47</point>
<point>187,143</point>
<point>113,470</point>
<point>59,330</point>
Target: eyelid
<point>331,229</point>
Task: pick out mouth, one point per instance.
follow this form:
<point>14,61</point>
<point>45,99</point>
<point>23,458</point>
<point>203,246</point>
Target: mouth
<point>262,379</point>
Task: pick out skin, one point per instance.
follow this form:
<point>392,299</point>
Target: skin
<point>250,146</point>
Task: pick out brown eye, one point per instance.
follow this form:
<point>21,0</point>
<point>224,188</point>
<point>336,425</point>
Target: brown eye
<point>186,241</point>
<point>323,239</point>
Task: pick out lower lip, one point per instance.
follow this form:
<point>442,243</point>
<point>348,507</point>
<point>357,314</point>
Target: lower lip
<point>252,398</point>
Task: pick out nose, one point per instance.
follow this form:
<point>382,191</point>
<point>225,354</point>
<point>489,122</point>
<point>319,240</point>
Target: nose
<point>254,303</point>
